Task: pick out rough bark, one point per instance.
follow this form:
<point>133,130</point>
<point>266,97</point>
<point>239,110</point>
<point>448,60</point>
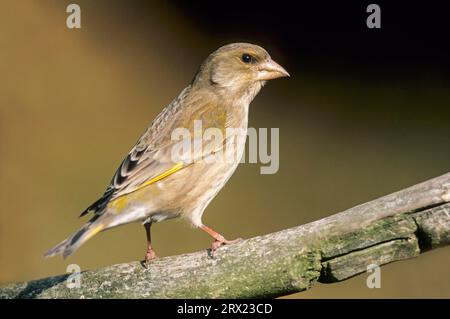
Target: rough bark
<point>395,227</point>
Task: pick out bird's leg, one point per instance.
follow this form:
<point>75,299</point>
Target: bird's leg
<point>219,239</point>
<point>150,252</point>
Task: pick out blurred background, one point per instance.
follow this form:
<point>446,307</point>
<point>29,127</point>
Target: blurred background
<point>365,113</point>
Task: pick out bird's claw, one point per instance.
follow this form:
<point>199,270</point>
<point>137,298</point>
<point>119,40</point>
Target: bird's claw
<point>218,243</point>
<point>150,255</point>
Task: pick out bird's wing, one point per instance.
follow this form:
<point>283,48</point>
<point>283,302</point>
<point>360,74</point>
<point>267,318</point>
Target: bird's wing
<point>151,160</point>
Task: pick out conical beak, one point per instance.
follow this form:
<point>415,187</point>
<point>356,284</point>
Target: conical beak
<point>271,70</point>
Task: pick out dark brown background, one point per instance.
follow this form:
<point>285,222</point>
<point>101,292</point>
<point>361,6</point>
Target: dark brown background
<point>365,113</point>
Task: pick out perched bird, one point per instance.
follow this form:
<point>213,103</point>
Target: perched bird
<point>152,184</point>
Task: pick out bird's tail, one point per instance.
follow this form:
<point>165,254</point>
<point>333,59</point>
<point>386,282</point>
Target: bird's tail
<point>69,245</point>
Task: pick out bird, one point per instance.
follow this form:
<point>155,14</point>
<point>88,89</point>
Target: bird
<point>158,179</point>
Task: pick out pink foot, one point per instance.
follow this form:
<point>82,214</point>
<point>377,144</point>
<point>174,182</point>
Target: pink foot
<point>220,242</point>
<point>150,255</point>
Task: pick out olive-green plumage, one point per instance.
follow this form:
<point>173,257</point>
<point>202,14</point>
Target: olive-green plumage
<point>154,182</point>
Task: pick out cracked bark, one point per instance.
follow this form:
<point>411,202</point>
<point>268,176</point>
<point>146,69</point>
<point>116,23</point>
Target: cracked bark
<point>395,227</point>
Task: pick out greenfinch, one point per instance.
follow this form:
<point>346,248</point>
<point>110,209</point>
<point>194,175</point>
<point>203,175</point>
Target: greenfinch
<point>159,179</point>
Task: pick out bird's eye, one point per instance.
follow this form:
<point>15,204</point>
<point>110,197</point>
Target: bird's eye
<point>247,58</point>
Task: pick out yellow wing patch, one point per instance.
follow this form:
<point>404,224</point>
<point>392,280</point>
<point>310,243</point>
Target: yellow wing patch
<point>169,172</point>
<point>120,202</point>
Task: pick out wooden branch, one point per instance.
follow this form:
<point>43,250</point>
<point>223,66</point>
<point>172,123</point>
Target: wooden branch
<point>395,227</point>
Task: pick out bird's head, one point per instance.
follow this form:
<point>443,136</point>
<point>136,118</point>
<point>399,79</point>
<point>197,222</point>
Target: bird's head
<point>239,69</point>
